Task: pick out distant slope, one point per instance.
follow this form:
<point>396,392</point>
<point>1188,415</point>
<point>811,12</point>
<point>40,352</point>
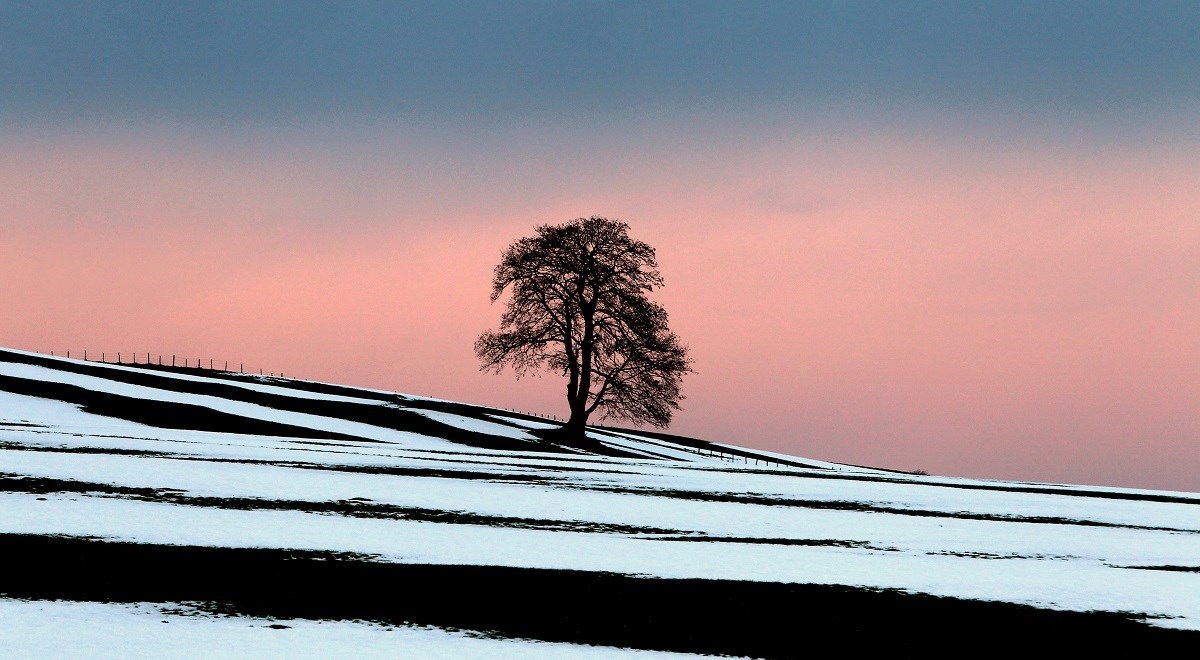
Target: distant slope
<point>222,401</point>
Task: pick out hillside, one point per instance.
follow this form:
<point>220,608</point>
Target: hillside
<point>169,512</point>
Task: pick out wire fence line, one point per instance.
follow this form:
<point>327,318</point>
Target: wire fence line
<point>176,361</point>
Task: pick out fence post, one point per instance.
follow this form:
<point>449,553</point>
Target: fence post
<point>68,354</point>
<point>85,355</point>
<point>118,358</point>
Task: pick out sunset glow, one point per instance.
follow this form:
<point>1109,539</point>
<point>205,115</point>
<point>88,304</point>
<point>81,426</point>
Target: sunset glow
<point>944,289</point>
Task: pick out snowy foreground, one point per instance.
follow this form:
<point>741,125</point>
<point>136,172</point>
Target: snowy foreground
<point>197,513</point>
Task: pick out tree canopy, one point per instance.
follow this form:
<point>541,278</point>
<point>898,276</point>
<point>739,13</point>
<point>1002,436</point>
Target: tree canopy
<point>579,307</point>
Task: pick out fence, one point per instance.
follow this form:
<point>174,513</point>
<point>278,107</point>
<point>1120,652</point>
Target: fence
<point>174,361</point>
<point>730,457</point>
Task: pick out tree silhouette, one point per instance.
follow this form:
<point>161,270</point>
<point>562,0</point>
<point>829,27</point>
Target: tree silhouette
<point>578,307</point>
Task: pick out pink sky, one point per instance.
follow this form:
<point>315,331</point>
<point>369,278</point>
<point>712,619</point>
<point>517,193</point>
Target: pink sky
<point>961,304</point>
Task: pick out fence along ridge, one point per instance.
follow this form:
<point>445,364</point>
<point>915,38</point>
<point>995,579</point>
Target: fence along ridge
<point>157,360</point>
<point>174,360</point>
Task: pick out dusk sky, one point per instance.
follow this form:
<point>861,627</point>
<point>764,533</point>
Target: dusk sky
<point>950,236</point>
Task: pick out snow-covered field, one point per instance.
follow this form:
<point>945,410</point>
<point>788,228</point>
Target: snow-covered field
<point>120,460</point>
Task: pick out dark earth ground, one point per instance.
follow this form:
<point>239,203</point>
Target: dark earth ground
<point>704,616</point>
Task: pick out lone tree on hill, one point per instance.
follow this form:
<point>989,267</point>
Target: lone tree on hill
<point>579,307</point>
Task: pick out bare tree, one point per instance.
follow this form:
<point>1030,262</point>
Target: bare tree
<point>578,307</point>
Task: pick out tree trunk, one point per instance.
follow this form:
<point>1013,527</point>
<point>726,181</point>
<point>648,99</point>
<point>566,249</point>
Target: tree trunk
<point>574,431</point>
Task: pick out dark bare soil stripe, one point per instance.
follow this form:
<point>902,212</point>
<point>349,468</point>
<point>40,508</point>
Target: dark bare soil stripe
<point>704,616</point>
<point>354,507</point>
<point>161,414</point>
<point>866,507</point>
